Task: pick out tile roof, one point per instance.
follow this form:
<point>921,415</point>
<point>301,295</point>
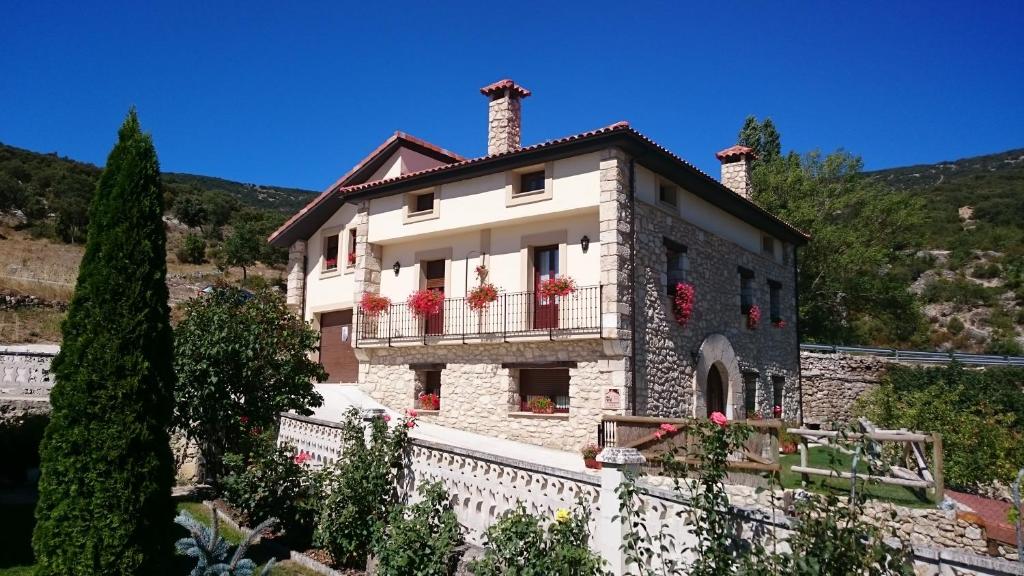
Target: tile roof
<point>505,84</point>
<point>735,151</point>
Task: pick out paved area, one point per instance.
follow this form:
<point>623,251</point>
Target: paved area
<point>339,397</point>
<point>993,512</point>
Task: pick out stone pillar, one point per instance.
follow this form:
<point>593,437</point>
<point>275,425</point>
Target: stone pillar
<point>504,117</point>
<point>368,265</point>
<point>616,463</point>
<point>736,162</point>
<point>296,294</point>
<point>615,216</point>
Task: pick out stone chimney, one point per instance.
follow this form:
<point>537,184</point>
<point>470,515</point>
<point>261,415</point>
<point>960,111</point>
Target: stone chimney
<point>504,116</point>
<point>736,161</point>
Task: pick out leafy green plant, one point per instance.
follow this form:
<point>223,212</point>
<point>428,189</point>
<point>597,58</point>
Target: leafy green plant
<point>361,487</point>
<point>421,539</point>
<point>518,544</point>
<point>241,359</point>
<point>192,249</point>
<point>211,550</point>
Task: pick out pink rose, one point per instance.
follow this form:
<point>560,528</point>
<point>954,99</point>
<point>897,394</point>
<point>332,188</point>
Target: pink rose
<point>719,419</point>
<point>411,412</point>
<point>669,428</point>
<point>302,457</point>
<point>410,424</point>
<point>659,434</point>
<point>386,417</point>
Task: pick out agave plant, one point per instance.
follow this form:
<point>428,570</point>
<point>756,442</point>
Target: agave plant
<point>211,550</point>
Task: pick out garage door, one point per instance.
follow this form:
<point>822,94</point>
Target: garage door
<point>336,353</point>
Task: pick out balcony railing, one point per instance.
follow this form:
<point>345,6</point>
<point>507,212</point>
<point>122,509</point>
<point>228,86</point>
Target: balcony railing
<point>512,315</point>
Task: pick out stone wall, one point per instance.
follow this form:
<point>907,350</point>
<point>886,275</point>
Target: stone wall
<point>479,395</point>
<point>833,382</point>
<point>666,351</point>
<point>25,379</point>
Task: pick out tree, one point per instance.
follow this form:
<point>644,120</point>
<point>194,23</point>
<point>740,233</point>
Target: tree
<point>189,210</point>
<point>105,491</point>
<point>762,137</point>
<point>192,250</point>
<point>241,248</point>
<point>241,360</point>
<point>850,289</point>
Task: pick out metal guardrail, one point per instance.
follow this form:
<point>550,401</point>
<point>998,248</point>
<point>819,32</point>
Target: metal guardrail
<point>919,357</point>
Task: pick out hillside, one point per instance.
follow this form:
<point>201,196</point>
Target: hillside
<point>969,249</point>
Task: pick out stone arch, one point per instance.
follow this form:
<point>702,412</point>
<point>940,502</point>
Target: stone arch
<point>716,352</point>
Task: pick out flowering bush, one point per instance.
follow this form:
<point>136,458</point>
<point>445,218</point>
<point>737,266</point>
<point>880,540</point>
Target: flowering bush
<point>426,302</point>
<point>374,304</point>
<point>683,302</point>
<point>481,296</point>
<point>556,286</point>
<point>541,405</point>
<point>753,317</point>
<point>429,401</point>
<point>421,538</point>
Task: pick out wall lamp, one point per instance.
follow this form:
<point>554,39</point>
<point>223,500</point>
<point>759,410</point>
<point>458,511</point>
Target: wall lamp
<point>585,243</point>
<point>396,267</point>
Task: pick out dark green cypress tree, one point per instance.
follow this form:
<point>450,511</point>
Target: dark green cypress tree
<point>107,470</point>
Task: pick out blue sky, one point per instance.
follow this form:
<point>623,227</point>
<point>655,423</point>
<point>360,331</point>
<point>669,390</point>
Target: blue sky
<point>295,93</point>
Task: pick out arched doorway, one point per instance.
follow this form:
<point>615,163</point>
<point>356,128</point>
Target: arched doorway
<point>716,391</point>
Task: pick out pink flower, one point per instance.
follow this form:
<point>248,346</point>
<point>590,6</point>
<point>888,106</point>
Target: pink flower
<point>386,417</point>
<point>666,427</point>
<point>411,412</point>
<point>719,419</point>
<point>302,458</point>
<point>659,434</point>
<point>410,424</point>
<point>777,411</point>
<point>244,420</point>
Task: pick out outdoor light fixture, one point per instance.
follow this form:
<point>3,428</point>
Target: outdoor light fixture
<point>585,243</point>
<point>396,267</point>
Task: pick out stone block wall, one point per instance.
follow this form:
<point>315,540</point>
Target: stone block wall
<point>25,380</point>
<point>666,351</point>
<point>479,395</point>
<point>832,383</point>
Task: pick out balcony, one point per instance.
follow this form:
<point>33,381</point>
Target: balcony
<point>520,315</point>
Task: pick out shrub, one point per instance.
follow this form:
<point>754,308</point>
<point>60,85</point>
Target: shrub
<point>421,539</point>
<point>192,249</point>
<point>107,470</point>
<point>361,488</point>
<point>955,326</point>
<point>518,544</point>
<point>211,550</point>
<point>271,482</point>
<point>980,414</point>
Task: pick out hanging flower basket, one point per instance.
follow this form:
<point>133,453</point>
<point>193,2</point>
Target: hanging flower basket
<point>426,302</point>
<point>556,287</point>
<point>481,297</point>
<point>683,302</point>
<point>753,317</point>
<point>374,304</point>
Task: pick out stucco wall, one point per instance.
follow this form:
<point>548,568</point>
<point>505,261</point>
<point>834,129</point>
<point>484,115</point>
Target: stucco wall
<point>478,395</point>
<point>665,350</point>
<point>326,291</point>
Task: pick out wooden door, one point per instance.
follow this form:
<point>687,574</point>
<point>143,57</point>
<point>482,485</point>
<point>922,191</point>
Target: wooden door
<point>336,353</point>
<point>433,273</point>
<point>545,266</point>
<point>716,392</point>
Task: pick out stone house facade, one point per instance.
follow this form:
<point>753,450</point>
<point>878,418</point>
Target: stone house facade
<point>621,216</point>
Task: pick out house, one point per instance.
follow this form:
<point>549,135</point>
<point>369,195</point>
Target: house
<point>628,221</point>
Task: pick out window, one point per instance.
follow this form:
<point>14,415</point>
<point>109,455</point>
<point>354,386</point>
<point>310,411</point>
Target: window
<point>768,246</point>
<point>677,265</point>
<point>778,388</point>
<point>429,396</point>
<point>551,383</point>
<point>423,202</point>
<point>351,247</point>
<point>531,182</point>
<point>774,300</point>
<point>667,193</point>
<point>746,290</point>
<point>331,253</point>
<point>750,393</point>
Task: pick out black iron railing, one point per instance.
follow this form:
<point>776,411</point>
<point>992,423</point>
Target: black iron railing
<point>512,315</point>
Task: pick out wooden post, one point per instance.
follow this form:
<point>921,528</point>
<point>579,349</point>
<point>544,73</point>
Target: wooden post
<point>805,479</point>
<point>940,491</point>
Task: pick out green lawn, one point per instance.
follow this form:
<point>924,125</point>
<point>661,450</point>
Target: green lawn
<point>18,571</point>
<point>820,457</point>
<point>201,513</point>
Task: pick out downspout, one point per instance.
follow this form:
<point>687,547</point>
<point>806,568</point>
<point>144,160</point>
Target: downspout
<point>632,290</point>
<point>796,326</point>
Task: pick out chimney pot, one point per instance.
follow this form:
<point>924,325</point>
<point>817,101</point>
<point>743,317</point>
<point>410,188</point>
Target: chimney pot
<point>504,115</point>
<point>736,162</point>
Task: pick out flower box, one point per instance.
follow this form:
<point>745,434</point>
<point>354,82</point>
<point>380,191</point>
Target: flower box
<point>556,287</point>
<point>753,317</point>
<point>592,463</point>
<point>683,302</point>
<point>541,406</point>
<point>429,401</point>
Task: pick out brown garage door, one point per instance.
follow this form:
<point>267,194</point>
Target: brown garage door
<point>336,353</point>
